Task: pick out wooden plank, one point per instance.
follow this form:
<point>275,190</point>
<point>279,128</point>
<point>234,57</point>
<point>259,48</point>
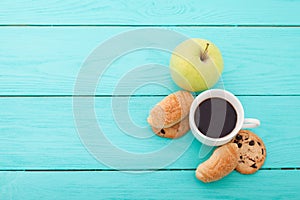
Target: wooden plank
<point>40,133</point>
<point>46,61</point>
<point>153,12</point>
<point>267,184</point>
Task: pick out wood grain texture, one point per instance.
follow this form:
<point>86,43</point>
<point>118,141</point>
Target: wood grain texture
<point>40,133</point>
<point>46,61</point>
<point>259,41</point>
<point>153,185</point>
<point>151,12</point>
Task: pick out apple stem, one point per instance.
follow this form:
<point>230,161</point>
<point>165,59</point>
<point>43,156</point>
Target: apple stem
<point>203,55</point>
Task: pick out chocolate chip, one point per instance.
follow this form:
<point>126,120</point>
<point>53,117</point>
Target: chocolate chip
<point>246,138</point>
<point>235,141</point>
<point>239,145</point>
<point>258,143</point>
<point>238,137</point>
<point>253,166</point>
<point>262,151</point>
<point>162,131</point>
<point>251,143</point>
<point>241,157</point>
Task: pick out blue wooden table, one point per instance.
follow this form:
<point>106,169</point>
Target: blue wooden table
<point>43,46</point>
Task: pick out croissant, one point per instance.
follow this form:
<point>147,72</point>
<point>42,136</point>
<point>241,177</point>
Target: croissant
<point>171,110</point>
<point>174,131</point>
<point>221,163</point>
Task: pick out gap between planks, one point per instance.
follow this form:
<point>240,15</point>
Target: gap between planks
<point>146,25</point>
<point>124,170</point>
<point>155,95</point>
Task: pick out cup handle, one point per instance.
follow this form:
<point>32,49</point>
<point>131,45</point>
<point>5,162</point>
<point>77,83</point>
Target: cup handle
<point>251,123</point>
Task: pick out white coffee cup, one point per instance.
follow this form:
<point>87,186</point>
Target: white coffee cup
<point>241,122</point>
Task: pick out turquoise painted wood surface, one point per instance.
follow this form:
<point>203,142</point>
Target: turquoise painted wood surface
<point>42,47</point>
<point>151,12</point>
<point>46,61</point>
<point>41,132</point>
<point>147,185</point>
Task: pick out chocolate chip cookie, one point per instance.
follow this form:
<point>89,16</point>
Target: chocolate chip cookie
<point>174,131</point>
<point>252,152</point>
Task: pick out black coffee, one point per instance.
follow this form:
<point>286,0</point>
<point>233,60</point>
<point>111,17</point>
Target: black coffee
<point>215,117</point>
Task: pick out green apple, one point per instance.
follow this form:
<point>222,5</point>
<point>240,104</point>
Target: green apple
<point>196,64</point>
